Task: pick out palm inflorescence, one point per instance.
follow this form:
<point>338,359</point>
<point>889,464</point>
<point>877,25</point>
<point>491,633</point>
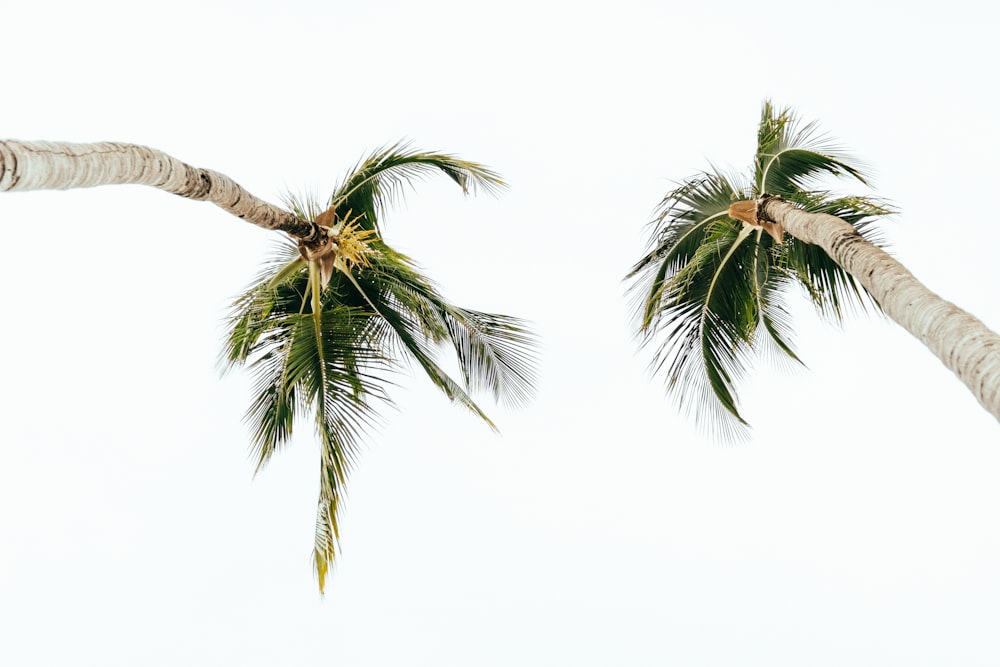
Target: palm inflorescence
<point>711,290</point>
<point>326,346</point>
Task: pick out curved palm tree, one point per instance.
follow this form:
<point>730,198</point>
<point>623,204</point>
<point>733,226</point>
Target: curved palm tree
<point>334,313</point>
<point>711,288</point>
<point>322,331</point>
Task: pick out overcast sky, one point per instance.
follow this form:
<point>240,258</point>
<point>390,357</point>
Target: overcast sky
<point>858,526</point>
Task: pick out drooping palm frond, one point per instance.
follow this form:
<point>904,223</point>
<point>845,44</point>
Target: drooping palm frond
<point>495,353</point>
<point>381,179</point>
<point>327,361</point>
<point>710,290</point>
<point>684,218</point>
<point>709,323</point>
<point>695,298</point>
<point>298,367</point>
<point>328,344</point>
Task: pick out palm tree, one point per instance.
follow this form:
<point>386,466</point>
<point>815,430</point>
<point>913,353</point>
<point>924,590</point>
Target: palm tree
<point>324,336</point>
<point>711,288</point>
<point>331,316</point>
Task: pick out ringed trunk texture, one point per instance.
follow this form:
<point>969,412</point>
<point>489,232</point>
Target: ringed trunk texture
<point>965,345</point>
<point>43,165</point>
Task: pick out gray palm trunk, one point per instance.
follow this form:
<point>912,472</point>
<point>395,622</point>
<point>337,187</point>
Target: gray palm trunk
<point>963,343</point>
<point>44,165</point>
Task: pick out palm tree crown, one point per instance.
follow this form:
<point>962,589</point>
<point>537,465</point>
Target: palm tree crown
<point>711,289</point>
<point>323,334</point>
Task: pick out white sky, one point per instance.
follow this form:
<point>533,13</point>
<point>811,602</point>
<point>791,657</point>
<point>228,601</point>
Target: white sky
<point>858,527</point>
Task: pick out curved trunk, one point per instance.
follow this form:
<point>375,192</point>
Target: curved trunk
<point>965,345</point>
<point>43,165</point>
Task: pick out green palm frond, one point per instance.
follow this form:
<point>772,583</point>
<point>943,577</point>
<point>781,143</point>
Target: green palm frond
<point>681,225</point>
<point>710,290</point>
<point>301,357</point>
<point>495,353</point>
<point>330,347</point>
<point>417,340</point>
<point>772,292</point>
<point>791,158</point>
<point>380,180</point>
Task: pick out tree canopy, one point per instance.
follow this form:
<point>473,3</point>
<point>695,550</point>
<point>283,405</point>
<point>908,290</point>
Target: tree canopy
<point>711,290</point>
<point>323,336</point>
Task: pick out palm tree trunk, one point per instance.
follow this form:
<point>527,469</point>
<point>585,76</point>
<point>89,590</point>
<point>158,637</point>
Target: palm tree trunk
<point>963,343</point>
<point>61,166</point>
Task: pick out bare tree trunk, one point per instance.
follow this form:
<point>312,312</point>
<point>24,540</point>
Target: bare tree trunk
<point>61,166</point>
<point>965,345</point>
